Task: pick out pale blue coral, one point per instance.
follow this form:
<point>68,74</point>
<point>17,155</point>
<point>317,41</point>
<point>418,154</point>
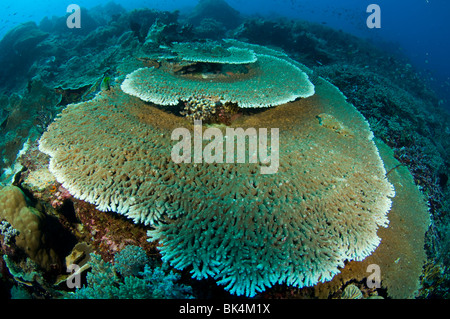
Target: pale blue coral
<point>107,281</point>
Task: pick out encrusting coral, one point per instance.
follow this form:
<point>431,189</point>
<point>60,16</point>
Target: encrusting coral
<point>245,229</point>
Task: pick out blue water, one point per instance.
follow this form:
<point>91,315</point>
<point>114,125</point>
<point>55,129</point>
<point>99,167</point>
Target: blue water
<point>418,28</point>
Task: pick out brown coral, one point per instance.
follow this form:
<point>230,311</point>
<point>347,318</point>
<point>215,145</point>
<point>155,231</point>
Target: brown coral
<point>28,221</point>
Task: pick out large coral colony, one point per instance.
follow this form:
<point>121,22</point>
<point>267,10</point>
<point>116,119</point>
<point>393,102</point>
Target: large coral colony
<point>94,206</point>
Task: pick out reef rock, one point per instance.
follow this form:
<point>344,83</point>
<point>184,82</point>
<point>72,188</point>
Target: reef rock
<point>218,10</point>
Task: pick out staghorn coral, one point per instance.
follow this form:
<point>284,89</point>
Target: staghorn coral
<point>246,230</point>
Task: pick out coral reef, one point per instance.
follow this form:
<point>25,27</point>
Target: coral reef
<point>108,281</point>
<point>200,109</point>
<point>405,118</point>
<point>162,34</point>
<point>141,21</point>
<point>210,29</point>
<point>148,201</point>
<point>18,49</point>
<point>233,264</point>
<point>131,260</point>
<point>280,80</point>
<point>401,254</point>
<point>218,10</point>
<point>27,117</point>
<point>53,68</point>
<point>212,52</point>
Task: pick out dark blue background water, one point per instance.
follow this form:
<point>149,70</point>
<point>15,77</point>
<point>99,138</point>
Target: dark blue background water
<point>419,28</point>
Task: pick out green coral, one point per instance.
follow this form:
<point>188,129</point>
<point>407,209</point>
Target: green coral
<point>115,281</point>
<point>18,292</point>
<point>23,273</point>
<point>130,261</point>
<point>275,81</point>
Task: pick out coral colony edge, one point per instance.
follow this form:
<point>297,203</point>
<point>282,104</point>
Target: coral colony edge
<point>178,157</point>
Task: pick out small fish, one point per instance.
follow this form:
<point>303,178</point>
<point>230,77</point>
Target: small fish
<point>105,84</point>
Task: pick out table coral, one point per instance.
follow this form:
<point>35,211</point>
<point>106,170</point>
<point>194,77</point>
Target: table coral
<point>246,230</point>
<point>275,81</point>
